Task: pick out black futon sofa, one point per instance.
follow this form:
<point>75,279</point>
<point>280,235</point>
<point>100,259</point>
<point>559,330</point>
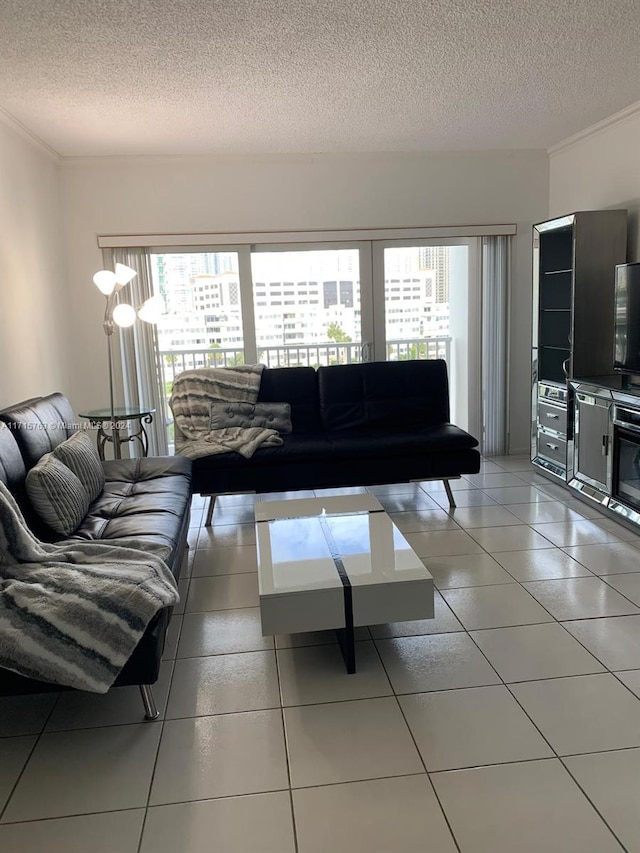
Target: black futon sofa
<point>353,425</point>
<point>148,499</point>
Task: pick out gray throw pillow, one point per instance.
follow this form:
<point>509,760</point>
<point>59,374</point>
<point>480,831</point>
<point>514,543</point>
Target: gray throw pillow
<point>79,453</point>
<point>57,494</point>
<point>264,415</point>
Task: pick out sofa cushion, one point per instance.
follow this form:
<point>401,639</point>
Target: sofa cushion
<point>391,395</point>
<point>57,494</point>
<point>298,386</point>
<point>348,444</point>
<point>12,470</point>
<point>79,453</point>
<point>144,499</point>
<point>250,415</point>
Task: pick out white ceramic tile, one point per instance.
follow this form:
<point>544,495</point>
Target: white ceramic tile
<point>171,638</point>
<point>25,715</point>
<point>220,756</point>
<point>515,464</point>
<point>579,598</point>
<point>555,490</point>
<point>348,741</point>
<point>85,771</point>
<point>466,570</point>
<point>573,533</point>
<point>121,705</point>
<point>467,728</point>
<point>226,536</point>
<point>630,679</point>
<point>533,477</point>
<point>483,516</point>
<point>471,497</point>
<point>226,514</point>
<point>611,780</point>
<point>315,638</point>
<point>517,495</point>
<point>183,589</point>
<point>397,489</point>
<point>436,486</point>
<point>408,502</point>
<point>14,752</point>
<point>258,823</point>
<point>488,466</point>
<point>583,508</point>
<point>225,561</point>
<point>608,559</point>
<point>430,519</point>
<point>437,662</point>
<point>221,632</point>
<point>493,481</point>
<point>541,564</point>
<point>315,674</point>
<point>224,684</point>
<point>375,816</point>
<point>535,651</point>
<point>543,512</point>
<point>628,585</point>
<point>93,833</point>
<point>587,713</point>
<point>443,622</point>
<point>340,492</point>
<point>442,543</point>
<point>528,807</point>
<point>516,538</point>
<point>236,499</point>
<point>625,534</point>
<point>285,496</point>
<point>614,641</point>
<point>223,592</point>
<point>495,606</point>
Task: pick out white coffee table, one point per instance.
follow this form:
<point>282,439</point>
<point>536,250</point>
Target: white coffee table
<point>336,562</point>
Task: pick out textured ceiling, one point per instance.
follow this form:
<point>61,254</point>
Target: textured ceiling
<point>155,77</point>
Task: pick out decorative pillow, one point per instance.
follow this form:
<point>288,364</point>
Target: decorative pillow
<point>57,494</point>
<point>80,455</point>
<point>264,415</point>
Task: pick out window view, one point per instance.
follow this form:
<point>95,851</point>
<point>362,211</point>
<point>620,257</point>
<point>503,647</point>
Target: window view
<point>307,307</point>
<point>416,295</point>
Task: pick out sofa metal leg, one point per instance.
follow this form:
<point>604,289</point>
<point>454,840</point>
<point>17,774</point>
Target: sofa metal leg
<point>210,508</point>
<point>150,709</point>
<point>447,489</point>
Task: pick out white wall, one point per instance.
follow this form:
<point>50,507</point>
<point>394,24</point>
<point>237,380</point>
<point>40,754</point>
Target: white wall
<point>104,196</point>
<point>33,283</point>
<point>599,170</point>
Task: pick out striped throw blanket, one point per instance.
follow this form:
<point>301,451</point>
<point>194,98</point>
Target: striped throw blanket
<point>191,397</point>
<point>71,613</point>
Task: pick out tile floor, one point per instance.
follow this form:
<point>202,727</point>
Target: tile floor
<point>509,722</point>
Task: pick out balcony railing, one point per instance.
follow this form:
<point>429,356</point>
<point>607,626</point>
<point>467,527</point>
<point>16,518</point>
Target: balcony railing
<point>312,355</point>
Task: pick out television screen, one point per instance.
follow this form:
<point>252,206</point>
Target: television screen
<point>626,358</point>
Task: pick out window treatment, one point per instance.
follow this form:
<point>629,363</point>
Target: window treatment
<point>140,361</point>
<point>496,259</point>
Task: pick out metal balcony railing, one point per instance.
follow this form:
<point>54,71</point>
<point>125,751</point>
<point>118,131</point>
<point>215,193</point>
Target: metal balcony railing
<point>299,355</point>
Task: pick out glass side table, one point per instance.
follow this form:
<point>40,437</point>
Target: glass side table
<point>117,433</point>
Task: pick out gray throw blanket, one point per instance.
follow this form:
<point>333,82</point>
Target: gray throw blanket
<point>71,613</point>
<point>191,397</point>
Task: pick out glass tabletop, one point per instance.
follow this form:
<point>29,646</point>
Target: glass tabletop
<point>120,412</point>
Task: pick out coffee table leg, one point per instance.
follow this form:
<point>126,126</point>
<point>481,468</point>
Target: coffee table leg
<point>347,647</point>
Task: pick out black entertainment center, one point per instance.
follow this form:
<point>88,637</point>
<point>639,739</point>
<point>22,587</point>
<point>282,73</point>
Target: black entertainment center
<point>586,359</point>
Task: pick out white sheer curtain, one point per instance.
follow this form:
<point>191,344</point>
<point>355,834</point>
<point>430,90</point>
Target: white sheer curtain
<point>140,380</point>
<point>496,259</point>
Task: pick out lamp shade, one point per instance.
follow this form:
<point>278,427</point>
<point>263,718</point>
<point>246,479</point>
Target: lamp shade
<point>124,274</point>
<point>151,310</point>
<point>105,281</point>
<point>124,315</point>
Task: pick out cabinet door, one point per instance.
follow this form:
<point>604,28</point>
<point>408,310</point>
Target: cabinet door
<point>592,443</point>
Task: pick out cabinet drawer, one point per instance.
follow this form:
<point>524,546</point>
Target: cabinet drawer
<point>552,417</point>
<point>552,447</point>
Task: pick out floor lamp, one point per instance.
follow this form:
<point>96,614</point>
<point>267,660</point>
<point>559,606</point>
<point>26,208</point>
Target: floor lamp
<point>110,284</point>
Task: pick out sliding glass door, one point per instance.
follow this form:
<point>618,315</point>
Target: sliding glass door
<point>320,304</point>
